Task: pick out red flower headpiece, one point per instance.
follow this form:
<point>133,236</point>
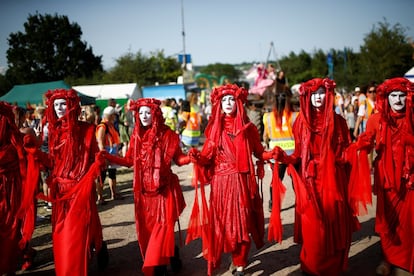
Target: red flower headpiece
<point>150,102</point>
<point>72,103</point>
<point>154,105</point>
<point>239,93</point>
<point>67,94</point>
<point>395,84</point>
<point>388,86</point>
<point>314,84</point>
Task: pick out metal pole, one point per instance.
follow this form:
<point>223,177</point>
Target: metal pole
<point>183,34</point>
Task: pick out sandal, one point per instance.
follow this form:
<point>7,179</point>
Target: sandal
<point>117,197</point>
<point>101,202</point>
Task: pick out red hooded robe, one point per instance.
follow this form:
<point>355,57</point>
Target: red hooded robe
<point>12,176</point>
<point>235,213</point>
<point>325,219</point>
<point>75,221</point>
<point>158,196</point>
<point>394,174</point>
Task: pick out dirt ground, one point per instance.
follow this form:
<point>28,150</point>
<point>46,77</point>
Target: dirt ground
<point>117,218</point>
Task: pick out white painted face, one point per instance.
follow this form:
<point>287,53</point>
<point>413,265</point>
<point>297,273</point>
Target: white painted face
<point>228,104</point>
<point>397,100</point>
<point>318,97</point>
<point>145,115</point>
<point>60,107</point>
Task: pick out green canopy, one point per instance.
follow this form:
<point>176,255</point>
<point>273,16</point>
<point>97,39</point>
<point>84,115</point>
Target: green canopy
<point>33,94</point>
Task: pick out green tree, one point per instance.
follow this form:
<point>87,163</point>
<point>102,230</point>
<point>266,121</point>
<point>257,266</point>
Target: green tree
<point>220,70</point>
<point>297,67</point>
<point>145,69</point>
<point>50,49</point>
<point>5,85</point>
<point>386,53</point>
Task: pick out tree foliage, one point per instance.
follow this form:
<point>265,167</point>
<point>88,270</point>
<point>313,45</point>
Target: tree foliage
<point>49,49</point>
<point>385,53</point>
<point>219,70</point>
<point>145,69</point>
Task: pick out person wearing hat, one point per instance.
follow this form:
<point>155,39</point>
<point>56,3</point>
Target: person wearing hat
<point>390,132</point>
<point>326,200</point>
<point>108,140</point>
<point>234,215</point>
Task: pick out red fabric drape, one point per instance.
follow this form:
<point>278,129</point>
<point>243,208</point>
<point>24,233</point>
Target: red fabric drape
<point>12,177</point>
<point>158,199</point>
<point>324,219</point>
<point>235,209</point>
<point>394,173</point>
<point>75,221</point>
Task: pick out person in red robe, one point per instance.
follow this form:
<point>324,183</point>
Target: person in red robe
<point>76,227</point>
<point>390,131</point>
<point>12,176</point>
<point>325,213</point>
<point>235,212</point>
<point>158,197</point>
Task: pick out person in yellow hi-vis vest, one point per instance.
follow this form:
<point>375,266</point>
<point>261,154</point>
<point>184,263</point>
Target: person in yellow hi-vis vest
<point>190,137</point>
<point>278,128</point>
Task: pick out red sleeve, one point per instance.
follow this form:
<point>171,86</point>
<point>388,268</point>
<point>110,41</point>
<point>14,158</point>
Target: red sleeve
<point>254,140</point>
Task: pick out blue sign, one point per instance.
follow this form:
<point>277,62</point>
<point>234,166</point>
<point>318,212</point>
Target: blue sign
<point>187,58</point>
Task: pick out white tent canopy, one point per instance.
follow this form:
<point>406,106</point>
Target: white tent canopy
<point>111,91</point>
<point>410,74</point>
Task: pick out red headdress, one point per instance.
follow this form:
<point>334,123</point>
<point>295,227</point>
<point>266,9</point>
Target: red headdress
<point>312,121</point>
<point>307,110</point>
<point>156,114</point>
<point>396,158</point>
<point>148,139</point>
<point>388,86</point>
<point>67,125</point>
<point>214,127</point>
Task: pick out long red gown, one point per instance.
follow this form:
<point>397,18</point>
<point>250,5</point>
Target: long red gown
<point>235,211</point>
<point>12,170</point>
<point>324,218</point>
<point>395,191</point>
<point>157,193</point>
<point>75,221</point>
<point>324,214</point>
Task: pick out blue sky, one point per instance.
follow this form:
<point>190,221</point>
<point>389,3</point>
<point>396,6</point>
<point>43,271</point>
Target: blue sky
<point>225,31</point>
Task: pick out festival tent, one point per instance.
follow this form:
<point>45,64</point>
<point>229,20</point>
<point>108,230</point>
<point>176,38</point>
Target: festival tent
<point>33,94</point>
<point>410,74</point>
<point>110,91</point>
<point>102,92</point>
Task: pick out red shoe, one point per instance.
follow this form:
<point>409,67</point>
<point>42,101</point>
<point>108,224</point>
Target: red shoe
<point>28,258</point>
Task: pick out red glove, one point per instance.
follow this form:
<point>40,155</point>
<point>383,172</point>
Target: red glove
<point>364,141</point>
<point>276,153</point>
<point>260,169</point>
<point>30,143</point>
<point>194,155</point>
<point>266,155</point>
